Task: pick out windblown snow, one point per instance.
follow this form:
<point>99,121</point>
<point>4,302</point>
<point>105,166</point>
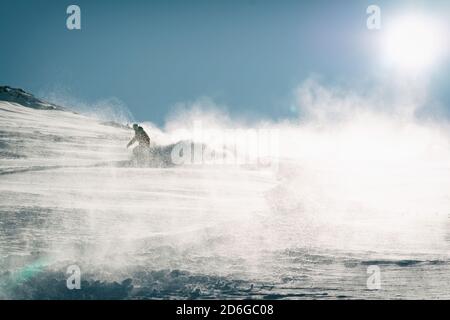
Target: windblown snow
<point>68,196</point>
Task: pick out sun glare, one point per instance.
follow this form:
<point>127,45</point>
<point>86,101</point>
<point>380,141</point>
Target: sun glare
<point>414,42</point>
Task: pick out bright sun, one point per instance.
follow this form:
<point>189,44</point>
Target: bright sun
<point>413,42</point>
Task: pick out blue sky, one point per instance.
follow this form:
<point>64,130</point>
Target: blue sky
<point>248,55</point>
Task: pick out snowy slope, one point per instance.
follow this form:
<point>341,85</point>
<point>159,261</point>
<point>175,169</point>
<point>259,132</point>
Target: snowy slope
<point>41,138</point>
<point>67,198</point>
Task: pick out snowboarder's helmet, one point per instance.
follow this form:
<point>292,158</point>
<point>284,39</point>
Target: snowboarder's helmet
<point>135,126</point>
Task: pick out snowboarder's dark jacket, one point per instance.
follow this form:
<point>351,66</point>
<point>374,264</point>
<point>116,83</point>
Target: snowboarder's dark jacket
<point>141,137</point>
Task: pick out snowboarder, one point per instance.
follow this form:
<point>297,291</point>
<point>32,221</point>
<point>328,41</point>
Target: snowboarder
<point>142,151</point>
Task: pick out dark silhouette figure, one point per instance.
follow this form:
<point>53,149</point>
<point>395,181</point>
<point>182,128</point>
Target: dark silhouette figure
<point>142,151</point>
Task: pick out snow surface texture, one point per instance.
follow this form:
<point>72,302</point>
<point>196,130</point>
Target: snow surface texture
<point>306,230</point>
